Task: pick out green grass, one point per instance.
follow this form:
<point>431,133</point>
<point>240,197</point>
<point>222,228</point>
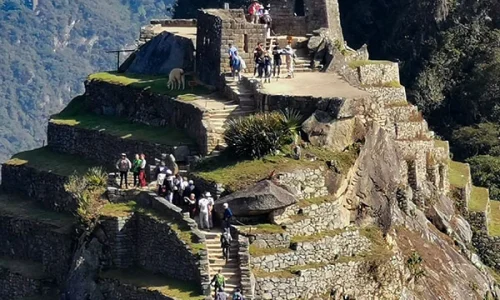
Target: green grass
<point>478,199</point>
<point>237,174</point>
<point>494,218</point>
<point>315,201</point>
<point>389,84</point>
<point>145,280</point>
<point>315,237</point>
<point>440,144</point>
<point>256,251</point>
<point>13,205</point>
<point>458,174</point>
<point>25,268</point>
<point>44,159</point>
<point>75,115</point>
<point>359,63</point>
<point>123,209</point>
<point>277,274</point>
<point>262,229</point>
<point>156,84</point>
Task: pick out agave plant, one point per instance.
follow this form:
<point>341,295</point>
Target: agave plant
<point>263,133</point>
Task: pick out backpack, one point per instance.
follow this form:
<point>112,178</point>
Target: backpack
<point>124,165</point>
<point>237,296</point>
<point>161,178</point>
<point>219,280</point>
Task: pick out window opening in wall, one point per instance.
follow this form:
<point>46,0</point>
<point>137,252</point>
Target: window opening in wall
<point>245,43</point>
<point>299,8</point>
<point>441,176</point>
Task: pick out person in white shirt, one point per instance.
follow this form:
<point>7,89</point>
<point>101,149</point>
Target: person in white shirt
<point>211,204</point>
<point>203,204</point>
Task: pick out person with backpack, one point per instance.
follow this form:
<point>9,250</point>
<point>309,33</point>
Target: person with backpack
<point>236,66</point>
<point>254,11</point>
<point>142,171</point>
<point>221,295</point>
<point>218,281</point>
<point>136,165</point>
<point>237,295</point>
<point>267,67</point>
<point>123,165</point>
<point>277,59</point>
<point>232,50</point>
<point>266,20</point>
<point>225,243</point>
<point>228,215</point>
<point>257,57</point>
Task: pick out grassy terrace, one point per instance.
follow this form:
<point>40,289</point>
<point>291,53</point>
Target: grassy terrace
<point>262,229</point>
<point>237,174</point>
<point>125,209</point>
<point>74,115</point>
<point>15,206</point>
<point>315,237</point>
<point>145,280</point>
<point>458,174</point>
<point>156,84</point>
<point>25,268</point>
<point>494,218</point>
<point>478,199</point>
<point>44,159</point>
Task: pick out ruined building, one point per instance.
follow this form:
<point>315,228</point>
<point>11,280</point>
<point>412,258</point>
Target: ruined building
<point>375,209</point>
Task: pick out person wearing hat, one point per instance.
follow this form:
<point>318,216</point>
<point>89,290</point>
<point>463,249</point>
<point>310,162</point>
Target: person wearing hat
<point>123,165</point>
<point>204,208</point>
<point>228,215</point>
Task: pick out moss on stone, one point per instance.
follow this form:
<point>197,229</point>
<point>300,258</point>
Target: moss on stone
<point>123,209</point>
<point>478,199</point>
<point>359,63</point>
<point>316,237</point>
<point>262,229</point>
<point>156,84</point>
<point>148,281</point>
<point>458,174</point>
<point>440,144</point>
<point>315,201</point>
<point>43,159</point>
<point>256,251</point>
<point>277,274</point>
<point>494,218</point>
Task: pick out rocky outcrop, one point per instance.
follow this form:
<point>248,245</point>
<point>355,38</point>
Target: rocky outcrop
<point>260,199</point>
<point>378,177</point>
<point>163,53</point>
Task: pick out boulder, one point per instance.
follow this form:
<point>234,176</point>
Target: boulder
<point>182,153</point>
<point>160,55</point>
<point>336,134</point>
<point>462,229</point>
<point>262,198</point>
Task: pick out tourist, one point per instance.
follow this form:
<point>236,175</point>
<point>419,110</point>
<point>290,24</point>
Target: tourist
<point>254,11</point>
<point>238,295</point>
<point>169,185</point>
<point>218,281</point>
<point>228,215</point>
<point>123,165</point>
<point>231,52</point>
<point>257,57</point>
<point>236,66</point>
<point>267,66</point>
<point>191,203</point>
<point>178,189</point>
<point>266,20</point>
<point>136,166</point>
<point>204,207</point>
<point>191,188</point>
<point>221,295</point>
<point>142,171</point>
<point>211,203</point>
<point>225,243</point>
<point>277,59</point>
<point>289,57</point>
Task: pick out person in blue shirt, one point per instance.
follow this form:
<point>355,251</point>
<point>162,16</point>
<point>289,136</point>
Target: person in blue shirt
<point>232,50</point>
<point>236,65</point>
<point>228,215</point>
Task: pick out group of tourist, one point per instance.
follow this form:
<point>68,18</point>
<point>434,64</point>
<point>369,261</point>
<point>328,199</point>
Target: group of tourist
<point>267,61</point>
<point>219,282</point>
<point>137,167</point>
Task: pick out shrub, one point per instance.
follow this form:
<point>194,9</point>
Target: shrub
<point>261,134</point>
<point>414,264</point>
<point>485,171</point>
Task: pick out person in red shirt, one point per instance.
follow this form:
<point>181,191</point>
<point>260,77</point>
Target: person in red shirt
<point>254,11</point>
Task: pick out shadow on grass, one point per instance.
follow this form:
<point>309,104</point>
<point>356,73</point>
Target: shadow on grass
<point>156,84</point>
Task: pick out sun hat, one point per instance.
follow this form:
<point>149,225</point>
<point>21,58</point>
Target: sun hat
<point>207,194</point>
<point>225,205</point>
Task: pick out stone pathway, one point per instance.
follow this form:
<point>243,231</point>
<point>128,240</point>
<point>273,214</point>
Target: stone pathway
<point>229,269</point>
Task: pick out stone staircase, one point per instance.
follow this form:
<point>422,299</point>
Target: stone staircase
<point>302,60</point>
<point>229,269</point>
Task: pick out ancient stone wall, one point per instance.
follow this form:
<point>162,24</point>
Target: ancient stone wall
<point>208,47</point>
<point>47,188</point>
<point>145,107</point>
<point>378,74</point>
<point>121,233</point>
<point>325,250</point>
<point>17,286</point>
<point>287,18</point>
<point>306,183</point>
<point>324,13</point>
<point>114,290</point>
<point>105,149</point>
<point>39,242</point>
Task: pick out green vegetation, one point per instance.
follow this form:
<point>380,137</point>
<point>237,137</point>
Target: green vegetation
<point>26,268</point>
<point>389,84</point>
<point>478,199</point>
<point>494,218</point>
<point>379,252</point>
<point>458,174</point>
<point>315,237</point>
<point>277,274</point>
<point>122,209</point>
<point>359,63</point>
<point>262,229</point>
<point>156,84</point>
<point>441,144</point>
<point>13,205</point>
<point>414,264</point>
<point>341,161</point>
<point>72,115</point>
<point>485,171</point>
<point>43,159</point>
<point>145,280</point>
<point>256,251</point>
<point>315,201</point>
<point>262,134</point>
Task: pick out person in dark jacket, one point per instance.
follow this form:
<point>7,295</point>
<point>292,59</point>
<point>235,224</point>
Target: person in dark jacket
<point>228,215</point>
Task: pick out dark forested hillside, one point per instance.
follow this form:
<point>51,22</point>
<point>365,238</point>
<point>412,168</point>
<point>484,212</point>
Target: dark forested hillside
<point>449,53</point>
<point>48,47</point>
